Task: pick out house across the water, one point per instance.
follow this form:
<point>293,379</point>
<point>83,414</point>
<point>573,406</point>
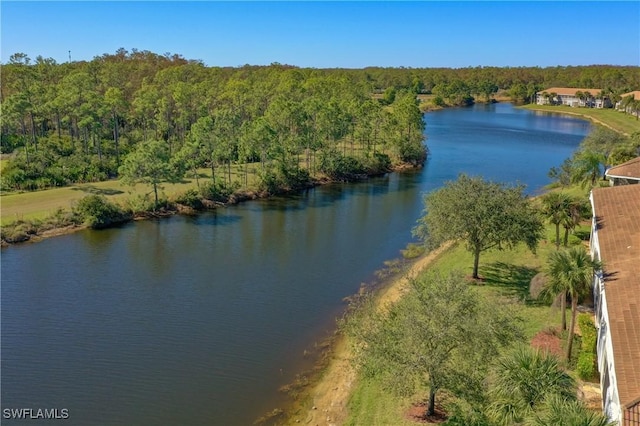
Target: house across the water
<point>574,97</point>
<point>623,105</point>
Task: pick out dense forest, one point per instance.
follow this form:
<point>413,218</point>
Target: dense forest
<point>94,120</point>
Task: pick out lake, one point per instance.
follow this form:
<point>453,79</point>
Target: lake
<point>199,320</point>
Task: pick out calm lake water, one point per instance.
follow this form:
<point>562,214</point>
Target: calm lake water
<point>199,321</point>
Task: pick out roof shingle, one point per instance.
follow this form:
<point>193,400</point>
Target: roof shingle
<point>630,169</point>
<point>617,211</point>
<point>571,91</point>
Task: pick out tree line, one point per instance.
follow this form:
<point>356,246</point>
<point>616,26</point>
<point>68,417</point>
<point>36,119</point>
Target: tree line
<point>89,121</point>
<point>76,121</point>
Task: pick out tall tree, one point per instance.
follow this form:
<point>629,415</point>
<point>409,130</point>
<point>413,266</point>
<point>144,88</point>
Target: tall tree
<point>587,168</point>
<point>577,210</point>
<point>481,213</point>
<point>555,206</point>
<point>571,271</point>
<point>150,163</point>
<point>408,136</point>
<point>439,335</point>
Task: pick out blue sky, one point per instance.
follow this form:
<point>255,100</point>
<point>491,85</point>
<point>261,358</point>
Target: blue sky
<point>332,33</point>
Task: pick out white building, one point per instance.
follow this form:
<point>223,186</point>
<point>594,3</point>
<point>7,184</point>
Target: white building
<point>615,241</point>
<point>628,109</point>
<point>574,97</point>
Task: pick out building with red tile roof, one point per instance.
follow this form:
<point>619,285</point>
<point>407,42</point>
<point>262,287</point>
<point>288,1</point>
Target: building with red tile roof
<point>573,96</point>
<point>615,241</point>
<point>625,174</point>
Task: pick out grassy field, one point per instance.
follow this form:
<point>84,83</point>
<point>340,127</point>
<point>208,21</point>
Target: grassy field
<point>39,204</point>
<point>616,120</point>
<point>506,274</point>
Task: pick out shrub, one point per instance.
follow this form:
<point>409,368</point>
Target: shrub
<point>269,182</point>
<point>13,234</point>
<point>60,219</point>
<point>586,365</point>
<point>217,191</point>
<point>190,198</point>
<point>340,167</point>
<point>139,203</point>
<point>413,250</point>
<point>98,212</point>
<point>439,101</point>
<point>412,153</point>
<point>278,179</point>
<point>378,164</point>
<point>19,231</point>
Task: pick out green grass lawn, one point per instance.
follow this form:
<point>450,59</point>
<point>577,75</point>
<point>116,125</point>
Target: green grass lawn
<point>617,120</point>
<point>506,274</point>
<point>39,204</point>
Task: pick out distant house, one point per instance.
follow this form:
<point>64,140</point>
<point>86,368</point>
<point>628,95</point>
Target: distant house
<point>629,109</point>
<point>625,174</point>
<point>574,97</point>
<point>615,241</point>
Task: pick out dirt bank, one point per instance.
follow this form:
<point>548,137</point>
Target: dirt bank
<point>329,397</point>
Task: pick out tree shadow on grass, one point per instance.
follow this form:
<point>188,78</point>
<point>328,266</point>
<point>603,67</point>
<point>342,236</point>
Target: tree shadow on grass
<point>512,280</point>
<point>91,189</point>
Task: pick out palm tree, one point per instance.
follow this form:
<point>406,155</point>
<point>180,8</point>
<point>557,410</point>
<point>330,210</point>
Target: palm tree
<point>587,167</point>
<point>626,103</point>
<point>580,96</point>
<point>546,96</point>
<point>523,380</point>
<point>577,210</point>
<point>561,411</point>
<point>571,271</point>
<point>556,288</point>
<point>588,96</point>
<point>602,96</point>
<point>635,108</point>
<point>555,207</point>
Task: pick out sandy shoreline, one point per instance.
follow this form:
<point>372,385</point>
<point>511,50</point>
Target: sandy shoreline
<point>329,397</point>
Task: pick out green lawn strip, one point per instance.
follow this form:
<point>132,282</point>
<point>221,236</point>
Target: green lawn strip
<point>40,204</point>
<point>506,274</point>
<point>371,404</point>
<point>616,120</point>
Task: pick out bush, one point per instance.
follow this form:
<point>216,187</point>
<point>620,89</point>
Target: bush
<point>340,167</point>
<point>413,250</point>
<point>98,212</point>
<point>139,203</point>
<point>439,101</point>
<point>19,231</point>
<point>217,191</point>
<point>586,365</point>
<point>59,219</point>
<point>14,233</point>
<point>378,164</point>
<point>282,178</point>
<point>269,182</point>
<point>190,198</point>
<point>413,153</point>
